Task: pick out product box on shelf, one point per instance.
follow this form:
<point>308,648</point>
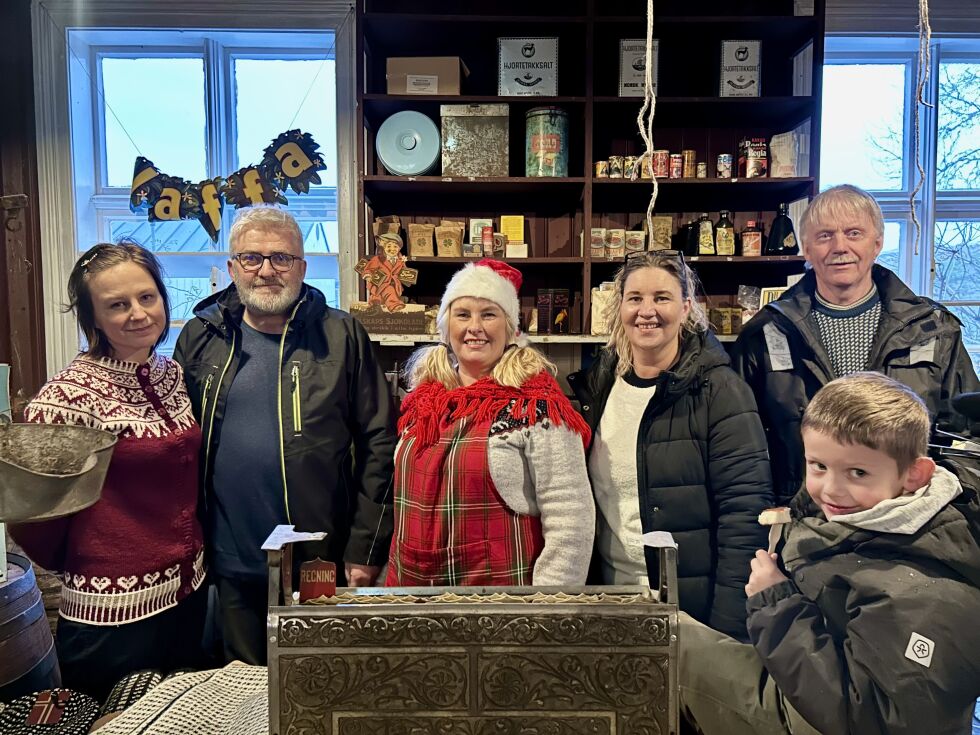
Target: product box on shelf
<point>527,66</point>
<point>425,74</point>
<point>475,140</point>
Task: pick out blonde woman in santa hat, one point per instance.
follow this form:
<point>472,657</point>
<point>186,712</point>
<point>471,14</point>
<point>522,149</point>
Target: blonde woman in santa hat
<point>491,486</point>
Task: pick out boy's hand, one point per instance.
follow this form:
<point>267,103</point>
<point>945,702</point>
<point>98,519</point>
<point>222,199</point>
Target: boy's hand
<point>764,574</point>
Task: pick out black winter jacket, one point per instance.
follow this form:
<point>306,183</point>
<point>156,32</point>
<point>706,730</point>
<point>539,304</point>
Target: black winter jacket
<point>876,633</point>
<point>702,472</point>
<point>337,434</point>
<point>918,343</point>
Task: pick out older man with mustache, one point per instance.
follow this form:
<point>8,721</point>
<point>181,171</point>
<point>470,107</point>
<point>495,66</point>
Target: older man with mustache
<point>846,314</point>
<point>297,422</point>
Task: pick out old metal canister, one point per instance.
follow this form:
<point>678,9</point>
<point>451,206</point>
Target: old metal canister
<point>725,166</point>
<point>689,158</point>
<point>661,164</point>
<point>646,166</point>
<point>629,167</point>
<point>602,169</point>
<point>702,170</point>
<point>547,142</point>
<point>615,167</point>
<point>676,165</point>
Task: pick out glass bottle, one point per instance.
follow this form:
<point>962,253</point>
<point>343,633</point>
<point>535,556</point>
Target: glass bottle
<point>724,234</point>
<point>751,240</point>
<point>706,236</point>
<point>782,238</point>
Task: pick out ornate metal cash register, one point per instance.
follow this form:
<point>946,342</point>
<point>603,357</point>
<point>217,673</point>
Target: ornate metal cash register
<point>473,660</point>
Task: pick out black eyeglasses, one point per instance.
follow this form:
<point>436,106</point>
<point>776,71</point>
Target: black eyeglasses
<point>281,262</point>
<point>655,253</point>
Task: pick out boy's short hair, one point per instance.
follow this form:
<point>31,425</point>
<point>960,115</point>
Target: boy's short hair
<point>873,410</point>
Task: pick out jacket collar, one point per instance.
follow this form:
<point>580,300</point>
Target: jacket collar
<point>224,309</point>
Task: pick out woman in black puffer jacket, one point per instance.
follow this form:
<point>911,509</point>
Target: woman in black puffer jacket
<point>677,445</point>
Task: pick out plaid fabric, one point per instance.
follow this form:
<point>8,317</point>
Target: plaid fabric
<point>452,528</point>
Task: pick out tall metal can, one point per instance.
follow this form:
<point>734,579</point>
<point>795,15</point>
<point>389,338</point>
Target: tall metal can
<point>676,165</point>
<point>724,165</point>
<point>661,164</point>
<point>546,142</point>
<point>689,158</point>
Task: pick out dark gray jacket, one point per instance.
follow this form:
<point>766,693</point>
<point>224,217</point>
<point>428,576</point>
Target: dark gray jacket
<point>336,436</point>
<point>702,473</point>
<point>918,343</point>
<point>843,639</point>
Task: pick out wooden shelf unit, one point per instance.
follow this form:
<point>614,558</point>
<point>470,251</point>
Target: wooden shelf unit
<point>559,213</point>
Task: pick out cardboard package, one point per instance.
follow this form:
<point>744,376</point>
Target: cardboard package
<point>425,74</point>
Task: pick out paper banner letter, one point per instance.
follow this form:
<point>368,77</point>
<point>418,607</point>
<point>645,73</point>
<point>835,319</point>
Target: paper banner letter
<point>212,206</point>
<point>145,183</point>
<point>292,161</point>
<point>167,205</point>
<point>247,186</point>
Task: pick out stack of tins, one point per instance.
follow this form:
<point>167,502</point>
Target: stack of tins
<point>28,661</point>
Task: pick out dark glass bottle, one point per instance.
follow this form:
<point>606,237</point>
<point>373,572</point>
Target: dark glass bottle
<point>691,239</point>
<point>782,238</point>
<point>751,239</point>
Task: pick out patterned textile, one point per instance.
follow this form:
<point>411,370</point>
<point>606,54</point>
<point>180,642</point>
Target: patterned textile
<point>228,701</point>
<point>139,550</point>
<point>49,712</point>
<point>130,689</point>
<point>848,334</point>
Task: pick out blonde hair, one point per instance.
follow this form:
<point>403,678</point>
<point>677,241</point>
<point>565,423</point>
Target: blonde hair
<point>266,219</point>
<point>840,203</point>
<point>517,365</point>
<point>697,320</point>
<point>874,411</point>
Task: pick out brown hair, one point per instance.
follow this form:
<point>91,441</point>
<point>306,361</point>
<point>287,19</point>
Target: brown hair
<point>97,259</point>
<point>696,320</point>
<point>875,411</point>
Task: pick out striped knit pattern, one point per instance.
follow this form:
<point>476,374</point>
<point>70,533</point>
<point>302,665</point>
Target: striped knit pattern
<point>848,333</point>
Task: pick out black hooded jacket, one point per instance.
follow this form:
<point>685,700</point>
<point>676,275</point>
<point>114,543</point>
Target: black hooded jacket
<point>702,473</point>
<point>918,343</point>
<point>336,433</point>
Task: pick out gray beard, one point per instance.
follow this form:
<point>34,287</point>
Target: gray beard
<point>267,304</point>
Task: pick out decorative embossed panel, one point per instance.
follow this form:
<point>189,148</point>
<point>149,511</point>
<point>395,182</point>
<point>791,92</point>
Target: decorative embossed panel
<point>441,725</point>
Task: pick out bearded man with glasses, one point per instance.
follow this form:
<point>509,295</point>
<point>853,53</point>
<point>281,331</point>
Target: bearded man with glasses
<point>297,424</point>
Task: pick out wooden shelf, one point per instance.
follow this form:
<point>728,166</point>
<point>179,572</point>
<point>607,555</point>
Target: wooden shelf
<point>722,259</point>
<point>741,112</point>
<point>516,261</point>
<point>400,340</point>
<point>518,188</point>
<point>686,195</point>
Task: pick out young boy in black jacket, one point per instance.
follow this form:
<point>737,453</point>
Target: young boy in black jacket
<point>875,628</point>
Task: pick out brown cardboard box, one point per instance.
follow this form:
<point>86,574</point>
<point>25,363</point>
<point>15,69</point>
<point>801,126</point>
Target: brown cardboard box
<point>425,74</point>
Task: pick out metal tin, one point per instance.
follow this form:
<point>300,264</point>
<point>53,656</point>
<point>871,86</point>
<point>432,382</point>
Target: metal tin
<point>646,166</point>
<point>602,169</point>
<point>725,166</point>
<point>475,140</point>
<point>546,142</point>
<point>408,143</point>
<point>615,167</point>
<point>676,165</point>
<point>702,170</point>
<point>629,167</point>
<point>661,164</point>
<point>689,158</point>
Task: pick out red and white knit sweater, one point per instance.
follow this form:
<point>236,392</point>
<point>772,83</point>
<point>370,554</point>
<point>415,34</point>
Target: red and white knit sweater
<point>139,550</point>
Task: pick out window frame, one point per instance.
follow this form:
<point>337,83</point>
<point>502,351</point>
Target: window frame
<point>60,208</point>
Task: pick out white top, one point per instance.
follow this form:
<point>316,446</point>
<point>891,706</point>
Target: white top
<point>612,469</point>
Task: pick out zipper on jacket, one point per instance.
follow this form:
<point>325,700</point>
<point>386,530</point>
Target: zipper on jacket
<point>214,407</point>
<point>204,399</point>
<point>282,438</point>
<point>297,401</point>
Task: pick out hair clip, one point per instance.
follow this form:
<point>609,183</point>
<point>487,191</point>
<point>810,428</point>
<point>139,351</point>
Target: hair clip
<point>84,263</point>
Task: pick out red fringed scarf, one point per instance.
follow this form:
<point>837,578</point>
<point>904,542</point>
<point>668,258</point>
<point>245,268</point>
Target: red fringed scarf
<point>431,403</point>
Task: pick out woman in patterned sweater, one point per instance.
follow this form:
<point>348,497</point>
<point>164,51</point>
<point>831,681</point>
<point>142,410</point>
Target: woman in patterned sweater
<point>490,480</point>
<point>133,562</point>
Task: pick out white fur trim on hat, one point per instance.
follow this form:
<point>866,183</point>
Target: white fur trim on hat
<point>481,282</point>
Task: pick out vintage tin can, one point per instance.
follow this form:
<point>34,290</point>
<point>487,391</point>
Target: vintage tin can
<point>689,158</point>
<point>661,164</point>
<point>676,165</point>
<point>615,167</point>
<point>546,142</point>
<point>602,169</point>
<point>629,167</point>
<point>702,172</point>
<point>646,166</point>
<point>724,165</point>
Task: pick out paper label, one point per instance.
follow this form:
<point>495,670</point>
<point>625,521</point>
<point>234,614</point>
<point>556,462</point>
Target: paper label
<point>421,84</point>
<point>632,66</point>
<point>282,535</point>
<point>778,346</point>
<point>527,66</point>
<point>740,68</point>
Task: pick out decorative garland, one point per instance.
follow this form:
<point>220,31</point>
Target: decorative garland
<point>291,161</point>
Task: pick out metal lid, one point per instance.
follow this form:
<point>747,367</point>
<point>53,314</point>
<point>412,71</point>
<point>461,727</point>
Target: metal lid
<point>546,111</point>
<point>408,143</point>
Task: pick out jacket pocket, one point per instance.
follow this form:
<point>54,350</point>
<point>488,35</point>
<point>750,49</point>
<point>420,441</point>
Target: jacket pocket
<point>297,395</point>
<point>463,565</point>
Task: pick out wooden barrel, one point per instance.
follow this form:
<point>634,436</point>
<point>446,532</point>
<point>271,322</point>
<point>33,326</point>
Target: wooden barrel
<point>28,661</point>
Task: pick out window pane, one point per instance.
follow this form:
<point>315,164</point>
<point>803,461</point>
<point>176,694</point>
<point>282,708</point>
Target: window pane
<point>862,129</point>
<point>275,95</point>
<point>958,166</point>
<point>957,276</point>
<point>891,251</point>
<point>159,103</point>
<point>970,316</point>
<point>184,236</point>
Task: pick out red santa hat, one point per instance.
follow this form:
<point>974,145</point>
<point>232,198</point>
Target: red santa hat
<point>489,279</point>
